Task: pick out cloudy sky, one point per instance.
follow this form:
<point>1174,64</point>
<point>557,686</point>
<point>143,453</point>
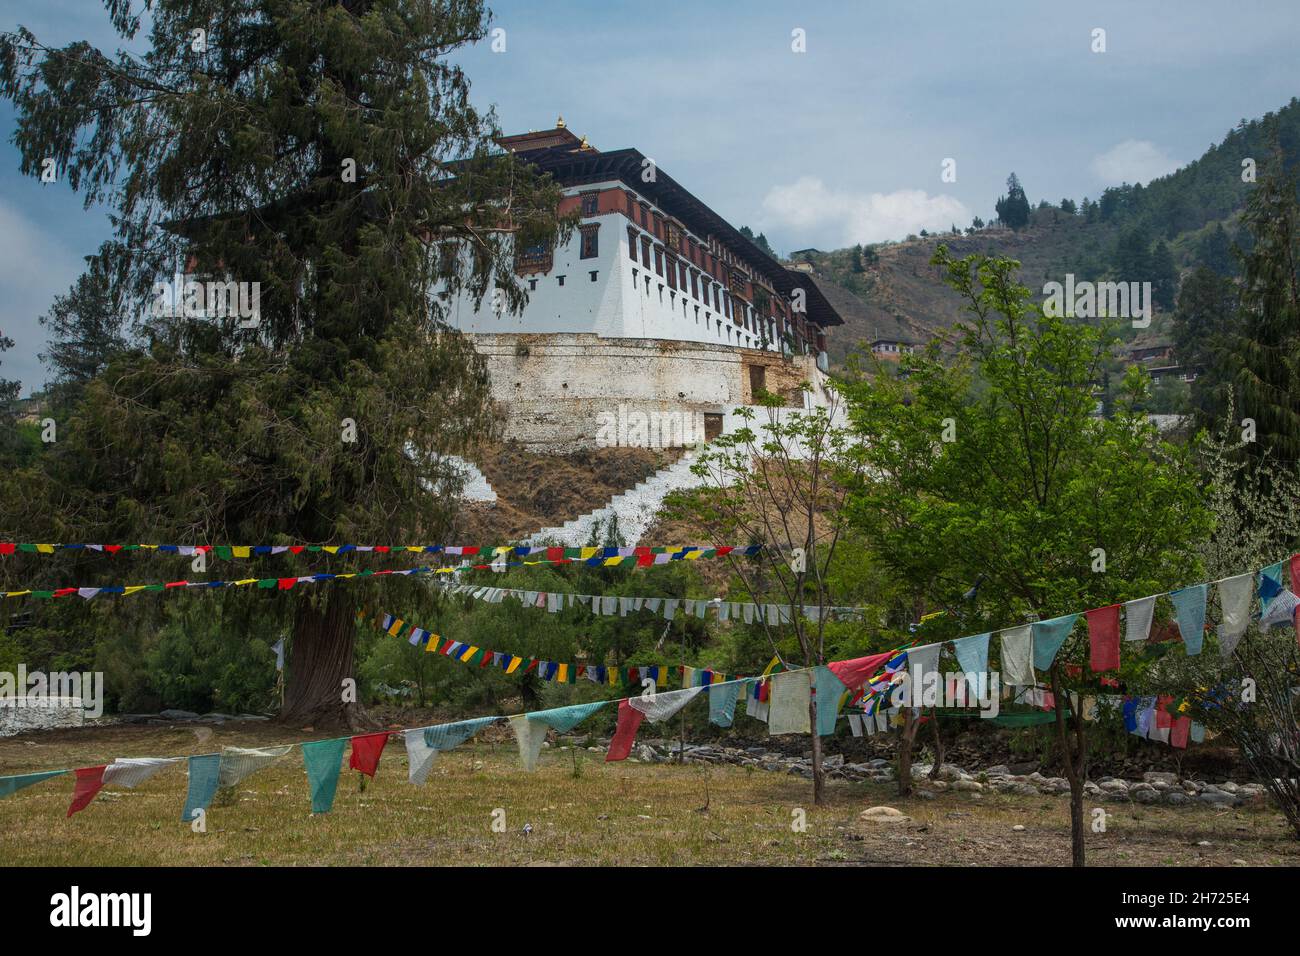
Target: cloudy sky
<point>840,144</point>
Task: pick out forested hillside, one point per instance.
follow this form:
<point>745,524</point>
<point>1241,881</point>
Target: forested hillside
<point>1159,232</point>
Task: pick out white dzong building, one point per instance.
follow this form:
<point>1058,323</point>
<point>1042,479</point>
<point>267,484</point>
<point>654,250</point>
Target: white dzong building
<point>657,317</point>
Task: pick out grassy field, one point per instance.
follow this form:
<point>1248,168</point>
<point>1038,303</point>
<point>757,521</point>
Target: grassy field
<point>623,813</point>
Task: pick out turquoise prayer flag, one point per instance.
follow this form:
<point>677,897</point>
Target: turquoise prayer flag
<point>203,784</point>
<point>829,689</point>
<point>1048,638</point>
<point>722,703</point>
<point>566,718</point>
<point>973,658</point>
<point>448,736</point>
<point>323,759</point>
<point>11,785</point>
<point>1189,607</point>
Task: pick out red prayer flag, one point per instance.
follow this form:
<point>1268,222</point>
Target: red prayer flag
<point>7,547</point>
<point>854,673</point>
<point>90,780</point>
<point>1295,574</point>
<point>1164,719</point>
<point>629,720</point>
<point>365,752</point>
<point>1103,635</point>
<point>1181,730</point>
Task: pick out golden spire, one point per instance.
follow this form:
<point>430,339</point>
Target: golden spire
<point>559,122</point>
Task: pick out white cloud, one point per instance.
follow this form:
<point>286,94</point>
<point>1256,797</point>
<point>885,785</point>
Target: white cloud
<point>830,217</point>
<point>34,268</point>
<point>1132,161</point>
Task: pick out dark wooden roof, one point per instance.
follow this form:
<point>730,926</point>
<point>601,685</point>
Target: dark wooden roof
<point>570,168</point>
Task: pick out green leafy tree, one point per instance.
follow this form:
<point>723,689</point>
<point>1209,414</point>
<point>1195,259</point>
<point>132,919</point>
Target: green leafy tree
<point>781,481</point>
<point>329,153</point>
<point>994,468</point>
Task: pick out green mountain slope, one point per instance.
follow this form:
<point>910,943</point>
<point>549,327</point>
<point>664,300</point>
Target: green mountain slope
<point>1156,232</point>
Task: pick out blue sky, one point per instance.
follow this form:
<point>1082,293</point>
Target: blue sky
<point>842,143</point>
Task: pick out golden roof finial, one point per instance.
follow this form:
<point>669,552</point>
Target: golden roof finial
<point>559,122</point>
<point>583,144</point>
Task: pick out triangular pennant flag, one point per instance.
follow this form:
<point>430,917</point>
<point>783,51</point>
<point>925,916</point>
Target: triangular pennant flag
<point>660,706</point>
<point>972,655</point>
<point>90,780</point>
<point>133,771</point>
<point>11,785</point>
<point>238,762</point>
<point>1234,601</point>
<point>419,756</point>
<point>1103,638</point>
<point>1048,638</point>
<point>854,673</point>
<point>530,736</point>
<point>1282,610</point>
<point>629,720</point>
<point>1189,607</point>
<point>365,752</point>
<point>323,760</point>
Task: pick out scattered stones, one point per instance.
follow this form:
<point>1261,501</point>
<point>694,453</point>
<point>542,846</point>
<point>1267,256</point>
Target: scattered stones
<point>1018,828</point>
<point>1159,777</point>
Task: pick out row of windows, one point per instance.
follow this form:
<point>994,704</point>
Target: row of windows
<point>674,237</point>
<point>742,336</point>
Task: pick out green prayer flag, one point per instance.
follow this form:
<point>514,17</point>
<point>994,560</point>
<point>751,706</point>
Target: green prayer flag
<point>323,759</point>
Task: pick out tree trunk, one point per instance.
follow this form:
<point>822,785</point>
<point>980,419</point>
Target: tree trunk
<point>819,774</point>
<point>905,738</point>
<point>938,747</point>
<point>320,685</point>
<point>1076,766</point>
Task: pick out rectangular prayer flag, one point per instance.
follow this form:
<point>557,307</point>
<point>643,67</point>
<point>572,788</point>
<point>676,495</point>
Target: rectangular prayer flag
<point>1103,638</point>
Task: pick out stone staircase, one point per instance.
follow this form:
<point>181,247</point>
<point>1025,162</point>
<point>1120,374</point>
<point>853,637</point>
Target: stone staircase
<point>634,510</point>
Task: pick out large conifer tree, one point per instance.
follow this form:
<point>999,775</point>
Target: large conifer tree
<point>305,145</point>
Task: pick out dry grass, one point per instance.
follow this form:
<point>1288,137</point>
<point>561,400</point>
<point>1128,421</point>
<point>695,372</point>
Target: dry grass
<point>625,813</point>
